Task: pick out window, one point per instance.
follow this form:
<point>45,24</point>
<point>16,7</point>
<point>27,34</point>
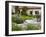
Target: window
<point>31,12</point>
<point>36,12</point>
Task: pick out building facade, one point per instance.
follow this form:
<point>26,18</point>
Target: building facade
<point>30,10</point>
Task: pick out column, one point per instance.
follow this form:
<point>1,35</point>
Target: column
<point>33,12</point>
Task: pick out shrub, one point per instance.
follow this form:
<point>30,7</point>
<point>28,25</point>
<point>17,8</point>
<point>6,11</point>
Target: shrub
<point>17,20</point>
<point>13,19</point>
<point>33,27</point>
<point>15,27</point>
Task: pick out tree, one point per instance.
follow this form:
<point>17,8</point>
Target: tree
<point>24,10</point>
<point>18,20</point>
<point>17,11</point>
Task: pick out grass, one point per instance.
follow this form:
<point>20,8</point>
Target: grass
<point>26,17</point>
<point>33,27</point>
<point>22,18</point>
<point>16,27</point>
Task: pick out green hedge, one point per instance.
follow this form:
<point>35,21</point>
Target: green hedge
<point>16,27</point>
<point>18,21</point>
<point>33,27</point>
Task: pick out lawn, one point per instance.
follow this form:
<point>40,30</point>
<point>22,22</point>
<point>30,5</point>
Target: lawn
<point>16,27</point>
<point>22,18</point>
<point>27,17</point>
<point>33,27</point>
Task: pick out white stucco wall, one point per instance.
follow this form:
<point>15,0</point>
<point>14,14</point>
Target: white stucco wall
<point>13,9</point>
<point>28,11</point>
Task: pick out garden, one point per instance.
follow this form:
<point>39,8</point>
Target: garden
<point>23,21</point>
<point>20,20</point>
